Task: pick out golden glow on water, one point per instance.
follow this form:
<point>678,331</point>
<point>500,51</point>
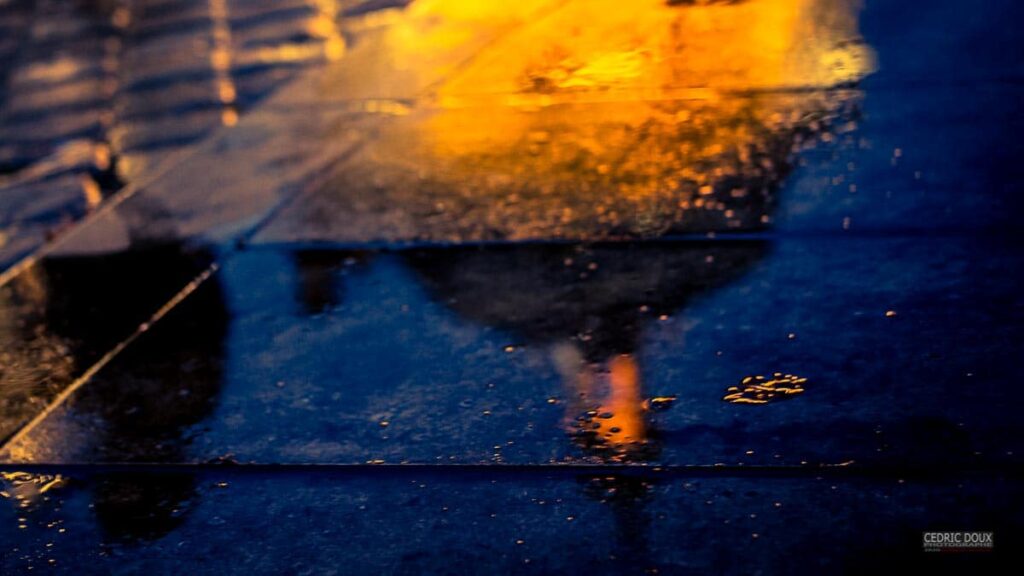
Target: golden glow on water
<point>25,488</point>
<point>622,414</point>
<point>593,52</point>
<point>761,390</point>
<point>581,120</point>
<point>572,50</point>
<point>606,411</point>
<point>653,50</point>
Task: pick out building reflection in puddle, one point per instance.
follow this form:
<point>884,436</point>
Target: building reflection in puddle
<point>319,276</point>
<point>588,305</point>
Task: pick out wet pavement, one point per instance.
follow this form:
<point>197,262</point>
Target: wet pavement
<point>451,289</point>
<point>98,95</point>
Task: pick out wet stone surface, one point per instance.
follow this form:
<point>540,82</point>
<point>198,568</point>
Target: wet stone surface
<point>540,354</point>
<point>430,521</point>
<point>490,291</point>
<point>96,95</point>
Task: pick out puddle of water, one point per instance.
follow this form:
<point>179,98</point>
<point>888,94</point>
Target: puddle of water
<point>581,310</point>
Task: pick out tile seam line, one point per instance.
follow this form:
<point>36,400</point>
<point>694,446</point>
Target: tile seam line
<point>680,239</point>
<point>110,355</point>
<point>823,470</point>
<point>312,182</point>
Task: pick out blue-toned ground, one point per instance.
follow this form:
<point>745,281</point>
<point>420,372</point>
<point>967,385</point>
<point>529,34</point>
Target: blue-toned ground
<point>250,364</point>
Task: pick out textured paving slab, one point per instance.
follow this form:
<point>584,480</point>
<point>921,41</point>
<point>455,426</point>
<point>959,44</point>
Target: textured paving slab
<point>413,158</point>
<point>423,521</point>
<point>139,83</point>
<point>442,149</point>
<point>539,354</point>
<point>879,303</point>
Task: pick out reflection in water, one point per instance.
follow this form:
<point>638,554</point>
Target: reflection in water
<point>615,427</point>
<point>135,508</point>
<point>146,403</point>
<point>676,117</point>
<point>582,49</point>
<point>588,306</point>
<point>628,499</point>
<point>761,390</point>
<point>27,488</point>
<point>575,120</point>
<point>319,277</point>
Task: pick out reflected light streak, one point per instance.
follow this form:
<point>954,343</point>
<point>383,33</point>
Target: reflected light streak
<point>606,412</point>
<point>26,488</point>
